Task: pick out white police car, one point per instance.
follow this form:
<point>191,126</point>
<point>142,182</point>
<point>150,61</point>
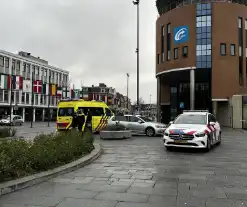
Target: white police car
<point>193,129</point>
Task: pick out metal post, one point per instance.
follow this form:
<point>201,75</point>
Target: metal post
<point>11,90</point>
<point>137,51</point>
<point>192,89</point>
<point>32,100</point>
<point>127,90</point>
<point>49,114</point>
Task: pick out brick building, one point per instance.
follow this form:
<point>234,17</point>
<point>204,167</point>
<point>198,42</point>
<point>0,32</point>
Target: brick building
<point>201,50</point>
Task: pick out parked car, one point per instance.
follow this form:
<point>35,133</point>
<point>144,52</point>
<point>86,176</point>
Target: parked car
<point>139,124</point>
<point>15,120</point>
<point>193,129</point>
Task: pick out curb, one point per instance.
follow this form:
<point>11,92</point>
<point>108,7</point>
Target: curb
<point>14,185</point>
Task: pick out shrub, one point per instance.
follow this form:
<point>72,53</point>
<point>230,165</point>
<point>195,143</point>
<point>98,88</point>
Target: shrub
<point>7,132</point>
<point>19,157</point>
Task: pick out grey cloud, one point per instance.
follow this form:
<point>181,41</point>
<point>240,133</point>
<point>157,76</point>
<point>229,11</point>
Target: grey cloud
<point>93,39</point>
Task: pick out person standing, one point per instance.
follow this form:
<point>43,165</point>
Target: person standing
<point>89,120</point>
<point>81,120</point>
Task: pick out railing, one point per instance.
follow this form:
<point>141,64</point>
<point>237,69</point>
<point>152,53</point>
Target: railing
<point>182,3</point>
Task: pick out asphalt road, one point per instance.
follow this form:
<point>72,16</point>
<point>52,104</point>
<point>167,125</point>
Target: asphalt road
<point>139,172</point>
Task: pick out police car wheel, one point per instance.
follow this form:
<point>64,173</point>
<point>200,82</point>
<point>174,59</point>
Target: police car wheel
<point>219,142</point>
<point>208,148</point>
<point>168,148</point>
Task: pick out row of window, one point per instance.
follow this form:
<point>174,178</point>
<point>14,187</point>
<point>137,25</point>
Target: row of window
<point>24,69</point>
<point>223,49</point>
<point>25,98</point>
<point>185,52</point>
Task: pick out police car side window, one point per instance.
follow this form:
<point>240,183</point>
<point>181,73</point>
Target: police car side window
<point>213,119</point>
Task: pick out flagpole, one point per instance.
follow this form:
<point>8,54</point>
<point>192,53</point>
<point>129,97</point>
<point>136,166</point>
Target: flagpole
<point>49,102</point>
<point>73,91</point>
<point>11,90</point>
<point>32,99</point>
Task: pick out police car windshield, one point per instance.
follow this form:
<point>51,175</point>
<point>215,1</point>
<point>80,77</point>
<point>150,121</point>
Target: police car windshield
<point>191,119</point>
<point>67,111</point>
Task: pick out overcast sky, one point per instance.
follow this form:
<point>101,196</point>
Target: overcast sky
<point>95,39</point>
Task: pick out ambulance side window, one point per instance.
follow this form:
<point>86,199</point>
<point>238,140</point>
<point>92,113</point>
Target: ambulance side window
<point>108,112</point>
<point>97,111</point>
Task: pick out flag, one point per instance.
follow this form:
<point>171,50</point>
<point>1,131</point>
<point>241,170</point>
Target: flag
<point>59,91</point>
<point>77,93</point>
<point>9,81</point>
<point>4,82</point>
<point>72,93</point>
<point>17,82</point>
<point>27,86</point>
<point>53,89</point>
<point>37,86</point>
<point>45,88</point>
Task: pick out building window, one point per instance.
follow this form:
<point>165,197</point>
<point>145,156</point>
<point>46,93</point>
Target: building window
<point>175,51</point>
<point>6,62</point>
<point>168,42</point>
<point>158,59</point>
<point>163,57</point>
<point>6,96</point>
<point>162,39</point>
<point>17,97</point>
<point>23,97</point>
<point>222,49</point>
<point>27,98</point>
<point>169,28</point>
<point>1,61</point>
<point>185,51</point>
<point>240,51</point>
<point>232,49</point>
<point>240,71</point>
<point>240,22</point>
<point>36,99</point>
<point>168,55</point>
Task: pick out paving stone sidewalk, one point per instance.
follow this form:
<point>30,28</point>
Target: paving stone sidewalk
<point>140,173</point>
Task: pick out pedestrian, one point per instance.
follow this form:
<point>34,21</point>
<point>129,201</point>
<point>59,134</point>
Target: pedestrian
<point>89,120</point>
<point>80,120</point>
<point>74,120</point>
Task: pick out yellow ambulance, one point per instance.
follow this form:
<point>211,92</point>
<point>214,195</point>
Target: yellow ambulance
<point>66,108</point>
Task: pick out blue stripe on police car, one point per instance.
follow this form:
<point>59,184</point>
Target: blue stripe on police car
<point>181,34</point>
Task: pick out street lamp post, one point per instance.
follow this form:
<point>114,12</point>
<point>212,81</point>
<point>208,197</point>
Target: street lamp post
<point>127,90</point>
<point>136,2</point>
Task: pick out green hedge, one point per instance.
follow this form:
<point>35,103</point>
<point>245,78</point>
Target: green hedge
<point>19,158</point>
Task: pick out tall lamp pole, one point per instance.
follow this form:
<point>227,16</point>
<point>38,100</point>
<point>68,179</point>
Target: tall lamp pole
<point>127,90</point>
<point>136,2</point>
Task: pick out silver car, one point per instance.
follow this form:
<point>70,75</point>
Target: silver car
<point>15,120</point>
<point>139,124</point>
